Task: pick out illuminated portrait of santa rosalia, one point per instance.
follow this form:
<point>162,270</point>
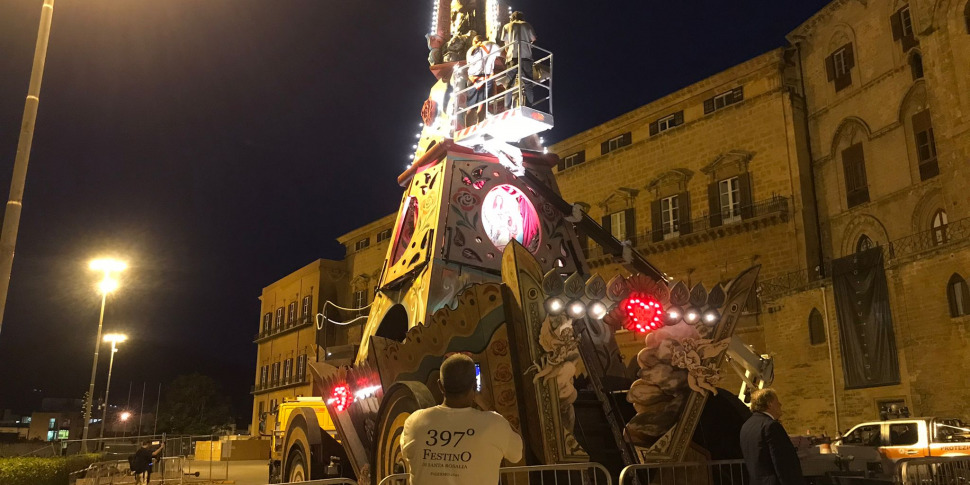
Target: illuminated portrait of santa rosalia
<point>508,214</point>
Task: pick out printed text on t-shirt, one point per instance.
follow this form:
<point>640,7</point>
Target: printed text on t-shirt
<point>445,437</point>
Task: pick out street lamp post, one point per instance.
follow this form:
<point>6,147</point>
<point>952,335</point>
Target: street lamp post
<point>11,218</point>
<point>114,338</point>
<point>107,285</point>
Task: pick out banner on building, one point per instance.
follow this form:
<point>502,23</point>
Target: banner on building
<point>866,334</point>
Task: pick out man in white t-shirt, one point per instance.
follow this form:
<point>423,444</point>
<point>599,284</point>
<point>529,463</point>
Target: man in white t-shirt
<point>454,443</point>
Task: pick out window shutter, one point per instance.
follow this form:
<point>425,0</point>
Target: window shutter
<point>928,165</point>
<point>708,106</point>
<point>683,201</point>
<point>897,25</point>
<point>607,224</point>
<point>849,57</point>
<point>605,147</point>
<point>656,222</point>
<point>627,139</point>
<point>631,225</point>
<point>909,41</point>
<point>747,201</point>
<point>852,158</point>
<point>714,204</point>
<point>654,128</point>
<point>921,121</point>
<point>854,168</point>
<point>844,81</point>
<point>679,118</point>
<point>830,68</point>
<point>951,297</point>
<point>561,164</point>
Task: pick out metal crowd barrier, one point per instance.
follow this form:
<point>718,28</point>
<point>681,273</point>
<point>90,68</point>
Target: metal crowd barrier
<point>117,472</point>
<point>564,474</point>
<point>721,472</point>
<point>328,481</point>
<point>943,470</point>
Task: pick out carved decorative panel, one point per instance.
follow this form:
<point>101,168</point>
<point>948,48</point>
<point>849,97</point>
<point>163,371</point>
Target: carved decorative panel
<point>488,207</point>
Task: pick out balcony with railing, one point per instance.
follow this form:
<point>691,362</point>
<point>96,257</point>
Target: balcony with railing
<point>899,251</point>
<point>760,214</point>
<point>770,289</point>
<point>281,383</point>
<point>926,241</point>
<point>290,326</point>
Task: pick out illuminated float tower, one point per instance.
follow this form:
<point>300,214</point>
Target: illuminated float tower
<point>465,195</point>
<point>485,259</point>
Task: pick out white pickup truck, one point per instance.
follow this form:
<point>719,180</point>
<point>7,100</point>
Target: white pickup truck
<point>876,446</point>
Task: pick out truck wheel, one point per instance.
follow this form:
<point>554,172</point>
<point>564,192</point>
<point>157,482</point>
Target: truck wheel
<point>402,399</point>
<point>296,469</point>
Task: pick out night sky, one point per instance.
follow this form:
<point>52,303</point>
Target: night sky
<point>218,145</point>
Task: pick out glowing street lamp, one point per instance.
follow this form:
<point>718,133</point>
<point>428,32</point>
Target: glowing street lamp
<point>107,285</point>
<point>108,265</point>
<point>114,338</point>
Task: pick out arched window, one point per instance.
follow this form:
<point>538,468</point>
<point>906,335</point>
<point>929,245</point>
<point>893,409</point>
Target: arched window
<point>916,65</point>
<point>958,296</point>
<point>816,327</point>
<point>939,227</point>
<point>863,244</point>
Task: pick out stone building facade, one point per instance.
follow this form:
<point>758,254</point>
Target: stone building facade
<point>855,135</point>
<point>289,336</point>
<point>286,337</point>
<point>712,181</point>
<point>888,102</point>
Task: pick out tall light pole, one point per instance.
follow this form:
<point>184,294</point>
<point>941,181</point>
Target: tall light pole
<point>114,338</point>
<point>11,215</point>
<point>107,285</point>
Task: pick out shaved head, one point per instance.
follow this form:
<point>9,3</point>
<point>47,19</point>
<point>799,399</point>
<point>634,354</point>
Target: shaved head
<point>457,374</point>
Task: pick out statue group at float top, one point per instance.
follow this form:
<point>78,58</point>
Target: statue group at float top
<point>487,260</point>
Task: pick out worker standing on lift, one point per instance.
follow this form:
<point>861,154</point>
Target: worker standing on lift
<point>518,36</point>
<point>481,58</point>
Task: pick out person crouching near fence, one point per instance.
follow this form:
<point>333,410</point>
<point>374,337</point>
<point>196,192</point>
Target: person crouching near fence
<point>454,443</point>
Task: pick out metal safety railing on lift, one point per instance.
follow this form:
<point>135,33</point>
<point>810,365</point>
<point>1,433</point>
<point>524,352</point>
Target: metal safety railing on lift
<point>541,89</point>
<point>564,474</point>
<point>720,472</point>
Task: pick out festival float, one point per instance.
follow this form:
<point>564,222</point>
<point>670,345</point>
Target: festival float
<point>485,259</point>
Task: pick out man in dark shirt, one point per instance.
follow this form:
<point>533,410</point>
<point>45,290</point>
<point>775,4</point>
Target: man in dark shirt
<point>518,36</point>
<point>768,451</point>
<point>142,462</point>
